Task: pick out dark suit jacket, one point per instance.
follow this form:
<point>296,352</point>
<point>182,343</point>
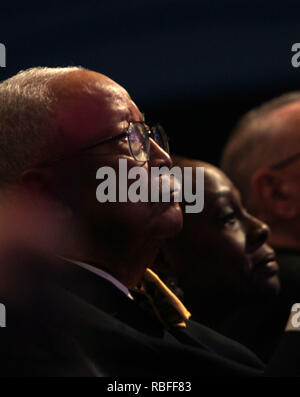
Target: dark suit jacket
<point>66,321</point>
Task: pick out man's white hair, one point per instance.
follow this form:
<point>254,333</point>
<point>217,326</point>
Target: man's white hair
<point>28,108</point>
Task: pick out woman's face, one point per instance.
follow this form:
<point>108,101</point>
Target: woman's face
<point>224,247</point>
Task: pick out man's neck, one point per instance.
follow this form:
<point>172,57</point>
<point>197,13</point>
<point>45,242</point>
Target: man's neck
<point>101,273</point>
<point>124,264</point>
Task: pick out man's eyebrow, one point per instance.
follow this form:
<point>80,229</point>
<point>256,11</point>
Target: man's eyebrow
<point>131,114</point>
<point>142,117</point>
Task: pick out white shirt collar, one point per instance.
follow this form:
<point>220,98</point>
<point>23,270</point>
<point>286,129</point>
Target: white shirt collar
<point>103,274</point>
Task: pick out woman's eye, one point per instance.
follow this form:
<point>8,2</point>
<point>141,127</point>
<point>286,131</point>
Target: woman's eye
<point>229,218</point>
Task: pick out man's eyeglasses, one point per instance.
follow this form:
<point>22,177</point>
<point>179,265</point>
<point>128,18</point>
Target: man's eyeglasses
<point>138,137</point>
<point>285,162</point>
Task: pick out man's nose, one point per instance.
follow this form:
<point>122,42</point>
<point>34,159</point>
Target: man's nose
<point>257,234</point>
<point>158,156</point>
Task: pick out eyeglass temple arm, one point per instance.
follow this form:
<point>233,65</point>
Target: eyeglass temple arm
<point>109,139</point>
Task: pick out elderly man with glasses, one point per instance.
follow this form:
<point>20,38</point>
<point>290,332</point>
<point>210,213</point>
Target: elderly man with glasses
<point>79,297</point>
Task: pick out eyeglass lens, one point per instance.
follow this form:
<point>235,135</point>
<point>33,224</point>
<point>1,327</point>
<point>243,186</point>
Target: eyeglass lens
<point>138,138</point>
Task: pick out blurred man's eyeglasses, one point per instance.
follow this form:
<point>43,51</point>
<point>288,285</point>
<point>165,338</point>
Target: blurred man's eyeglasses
<point>285,162</point>
<point>138,136</point>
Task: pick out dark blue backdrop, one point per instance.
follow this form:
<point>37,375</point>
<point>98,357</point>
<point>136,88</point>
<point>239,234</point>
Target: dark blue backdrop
<point>194,65</point>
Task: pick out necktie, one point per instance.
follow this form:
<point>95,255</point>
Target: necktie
<point>154,296</point>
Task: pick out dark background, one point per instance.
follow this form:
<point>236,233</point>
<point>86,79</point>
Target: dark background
<point>195,66</point>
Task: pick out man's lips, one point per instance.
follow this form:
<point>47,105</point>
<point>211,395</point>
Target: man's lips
<point>172,188</point>
<point>266,265</point>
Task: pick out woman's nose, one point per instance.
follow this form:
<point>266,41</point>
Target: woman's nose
<point>258,233</point>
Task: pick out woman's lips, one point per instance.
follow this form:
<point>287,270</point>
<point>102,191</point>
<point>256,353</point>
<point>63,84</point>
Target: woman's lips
<point>266,266</point>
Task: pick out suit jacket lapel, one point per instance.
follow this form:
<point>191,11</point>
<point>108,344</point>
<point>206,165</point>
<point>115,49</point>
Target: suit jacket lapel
<point>104,295</point>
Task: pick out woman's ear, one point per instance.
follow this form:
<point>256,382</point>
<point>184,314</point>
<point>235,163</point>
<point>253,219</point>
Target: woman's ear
<point>273,194</point>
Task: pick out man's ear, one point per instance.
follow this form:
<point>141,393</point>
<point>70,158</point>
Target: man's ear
<point>273,194</point>
<point>36,181</point>
<point>41,187</point>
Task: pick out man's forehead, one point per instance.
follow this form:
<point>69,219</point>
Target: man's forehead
<point>93,108</point>
<point>80,80</point>
<point>91,87</point>
<point>286,116</point>
<point>284,130</point>
<point>288,109</point>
